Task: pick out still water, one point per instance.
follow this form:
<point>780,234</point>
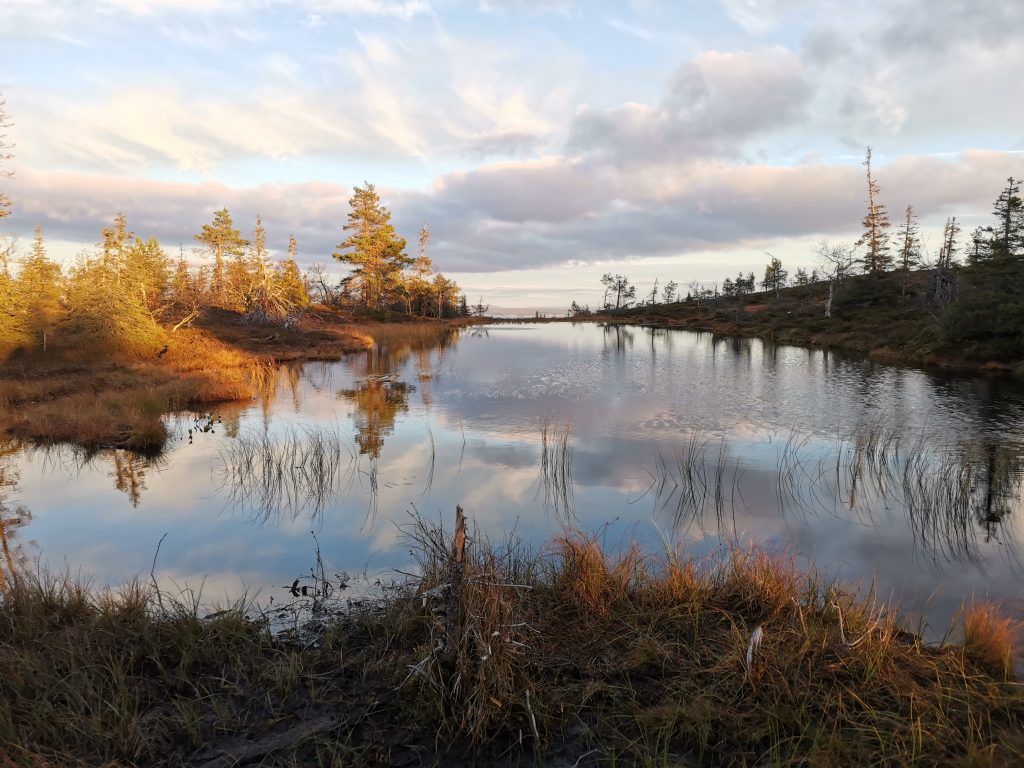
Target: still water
<point>875,474</point>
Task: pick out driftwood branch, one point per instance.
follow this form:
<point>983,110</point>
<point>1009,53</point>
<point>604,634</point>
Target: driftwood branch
<point>243,751</point>
<point>456,574</point>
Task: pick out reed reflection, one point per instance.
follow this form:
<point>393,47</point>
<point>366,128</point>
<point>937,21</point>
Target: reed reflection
<point>955,498</point>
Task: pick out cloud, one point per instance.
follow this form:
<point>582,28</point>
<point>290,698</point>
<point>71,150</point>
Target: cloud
<point>561,7</point>
<point>549,190</point>
<point>760,16</point>
<point>135,128</point>
<point>713,104</point>
<point>402,9</point>
<point>915,71</point>
<point>531,214</point>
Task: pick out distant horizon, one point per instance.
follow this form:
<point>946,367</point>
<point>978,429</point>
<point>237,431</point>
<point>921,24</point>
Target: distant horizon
<point>545,142</point>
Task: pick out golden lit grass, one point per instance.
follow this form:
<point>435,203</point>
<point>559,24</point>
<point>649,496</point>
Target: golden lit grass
<point>648,656</point>
<point>313,339</point>
<point>642,660</point>
<point>78,393</point>
<point>988,639</point>
<point>113,404</point>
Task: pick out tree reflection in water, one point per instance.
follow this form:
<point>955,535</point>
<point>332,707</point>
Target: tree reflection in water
<point>378,402</point>
<point>378,394</point>
<point>12,517</point>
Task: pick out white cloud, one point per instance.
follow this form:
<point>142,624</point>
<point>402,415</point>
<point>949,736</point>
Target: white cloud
<point>537,213</point>
<point>760,15</point>
<point>713,104</point>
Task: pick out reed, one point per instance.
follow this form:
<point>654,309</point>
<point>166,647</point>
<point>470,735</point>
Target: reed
<point>569,653</point>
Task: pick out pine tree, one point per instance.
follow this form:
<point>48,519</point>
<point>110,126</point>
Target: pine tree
<point>223,241</point>
<point>39,291</point>
<point>876,221</point>
<point>910,247</point>
<point>373,248</point>
<point>619,287</point>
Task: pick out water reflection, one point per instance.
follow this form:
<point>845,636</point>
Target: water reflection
<point>12,518</point>
<point>871,471</point>
<point>378,401</point>
<point>129,474</point>
<point>378,394</point>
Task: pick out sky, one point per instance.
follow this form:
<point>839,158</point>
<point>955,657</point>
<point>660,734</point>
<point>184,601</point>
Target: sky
<point>544,142</point>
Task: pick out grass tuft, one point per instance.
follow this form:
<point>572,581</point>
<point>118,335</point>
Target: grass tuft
<point>570,654</point>
<point>988,639</point>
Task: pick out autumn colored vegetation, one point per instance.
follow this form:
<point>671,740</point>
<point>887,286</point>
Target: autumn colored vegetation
<point>97,354</point>
<point>961,306</point>
<point>569,655</point>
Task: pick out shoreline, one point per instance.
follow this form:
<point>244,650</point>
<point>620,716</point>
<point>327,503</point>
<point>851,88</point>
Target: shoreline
<point>98,401</point>
<point>498,656</point>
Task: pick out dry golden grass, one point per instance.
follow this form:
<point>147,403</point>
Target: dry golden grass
<point>650,654</point>
<point>78,393</point>
<point>631,659</point>
<point>988,639</point>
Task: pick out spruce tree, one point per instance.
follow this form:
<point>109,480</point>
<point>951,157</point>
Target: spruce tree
<point>910,247</point>
<point>291,285</point>
<point>1008,234</point>
<point>948,249</point>
<point>114,245</point>
<point>13,332</point>
<point>146,271</point>
<point>875,239</point>
<point>39,291</point>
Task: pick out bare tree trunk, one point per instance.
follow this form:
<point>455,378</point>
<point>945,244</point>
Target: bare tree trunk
<point>828,302</point>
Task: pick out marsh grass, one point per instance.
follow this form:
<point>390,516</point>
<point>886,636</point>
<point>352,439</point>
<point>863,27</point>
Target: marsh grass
<point>96,398</point>
<point>596,657</point>
<point>647,656</point>
<point>702,477</point>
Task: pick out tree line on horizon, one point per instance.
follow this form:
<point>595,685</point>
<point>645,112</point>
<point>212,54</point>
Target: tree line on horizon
<point>977,284</point>
<point>128,289</point>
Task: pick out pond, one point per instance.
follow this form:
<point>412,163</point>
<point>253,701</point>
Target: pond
<point>877,475</point>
